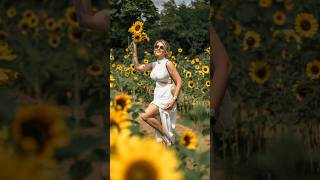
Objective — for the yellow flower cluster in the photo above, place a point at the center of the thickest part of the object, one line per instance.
(137, 32)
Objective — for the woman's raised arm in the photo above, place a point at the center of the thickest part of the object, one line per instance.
(99, 21)
(137, 66)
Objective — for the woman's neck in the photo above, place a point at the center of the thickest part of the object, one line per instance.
(160, 58)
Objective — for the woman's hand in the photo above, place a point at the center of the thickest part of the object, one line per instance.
(170, 104)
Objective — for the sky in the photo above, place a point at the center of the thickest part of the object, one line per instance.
(159, 3)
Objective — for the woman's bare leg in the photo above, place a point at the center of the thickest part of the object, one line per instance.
(148, 116)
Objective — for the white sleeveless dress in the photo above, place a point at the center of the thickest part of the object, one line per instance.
(162, 95)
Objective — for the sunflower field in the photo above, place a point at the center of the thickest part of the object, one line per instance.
(273, 46)
(53, 93)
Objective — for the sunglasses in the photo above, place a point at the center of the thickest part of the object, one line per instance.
(157, 47)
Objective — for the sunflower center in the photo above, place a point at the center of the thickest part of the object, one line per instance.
(137, 28)
(37, 130)
(137, 37)
(250, 41)
(261, 72)
(73, 16)
(24, 26)
(141, 170)
(302, 91)
(186, 140)
(305, 25)
(114, 124)
(314, 70)
(121, 102)
(77, 34)
(95, 68)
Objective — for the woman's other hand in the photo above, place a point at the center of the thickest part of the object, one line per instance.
(170, 104)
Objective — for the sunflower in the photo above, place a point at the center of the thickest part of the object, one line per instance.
(207, 51)
(134, 72)
(197, 67)
(191, 84)
(251, 39)
(74, 34)
(119, 67)
(208, 83)
(235, 27)
(24, 26)
(112, 78)
(137, 37)
(259, 72)
(95, 70)
(58, 29)
(7, 76)
(276, 33)
(180, 50)
(39, 129)
(122, 102)
(265, 3)
(197, 60)
(119, 119)
(292, 36)
(285, 54)
(33, 21)
(288, 5)
(300, 91)
(6, 54)
(139, 83)
(50, 23)
(188, 74)
(189, 139)
(112, 85)
(313, 70)
(193, 61)
(173, 58)
(134, 163)
(116, 138)
(54, 41)
(205, 69)
(132, 66)
(17, 166)
(111, 57)
(11, 12)
(71, 16)
(145, 37)
(204, 90)
(279, 18)
(3, 35)
(306, 25)
(146, 61)
(136, 27)
(27, 14)
(135, 78)
(147, 73)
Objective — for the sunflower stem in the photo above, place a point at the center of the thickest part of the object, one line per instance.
(76, 105)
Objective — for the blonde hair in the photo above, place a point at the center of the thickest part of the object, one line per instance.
(166, 47)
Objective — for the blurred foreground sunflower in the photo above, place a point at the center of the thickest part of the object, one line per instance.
(119, 119)
(259, 72)
(15, 166)
(313, 70)
(39, 129)
(189, 139)
(144, 159)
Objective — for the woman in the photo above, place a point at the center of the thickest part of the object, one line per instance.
(164, 103)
